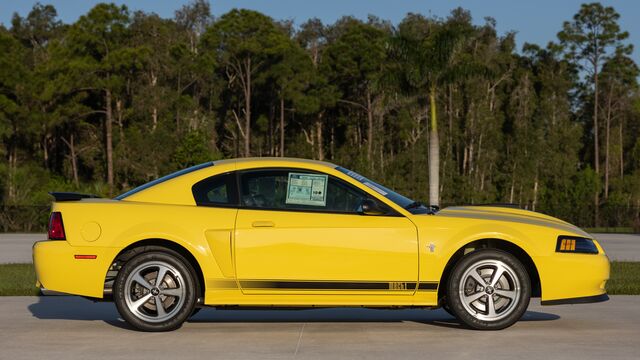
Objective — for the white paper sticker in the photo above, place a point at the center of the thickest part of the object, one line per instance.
(307, 189)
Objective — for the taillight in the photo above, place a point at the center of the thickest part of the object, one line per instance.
(56, 228)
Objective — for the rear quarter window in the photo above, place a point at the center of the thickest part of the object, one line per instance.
(218, 190)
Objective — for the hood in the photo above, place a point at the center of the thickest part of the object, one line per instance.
(510, 214)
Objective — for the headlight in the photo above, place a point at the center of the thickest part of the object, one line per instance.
(575, 244)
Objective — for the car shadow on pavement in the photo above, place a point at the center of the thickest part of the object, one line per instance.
(78, 308)
(438, 317)
(72, 308)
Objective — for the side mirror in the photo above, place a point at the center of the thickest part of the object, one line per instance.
(371, 207)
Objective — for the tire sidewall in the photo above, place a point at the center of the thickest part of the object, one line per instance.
(188, 277)
(453, 296)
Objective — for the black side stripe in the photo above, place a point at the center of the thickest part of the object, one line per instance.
(428, 286)
(337, 285)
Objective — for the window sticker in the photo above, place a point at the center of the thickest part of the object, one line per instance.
(307, 189)
(375, 188)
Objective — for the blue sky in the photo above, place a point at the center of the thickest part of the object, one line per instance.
(535, 21)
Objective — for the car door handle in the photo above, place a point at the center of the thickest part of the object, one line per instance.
(262, 224)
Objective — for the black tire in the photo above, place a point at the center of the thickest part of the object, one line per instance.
(180, 273)
(514, 282)
(447, 308)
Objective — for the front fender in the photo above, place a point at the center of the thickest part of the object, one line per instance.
(440, 240)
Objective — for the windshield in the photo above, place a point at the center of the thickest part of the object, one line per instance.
(401, 200)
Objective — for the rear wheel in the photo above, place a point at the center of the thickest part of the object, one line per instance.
(489, 290)
(156, 291)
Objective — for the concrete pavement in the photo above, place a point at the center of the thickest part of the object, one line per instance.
(16, 248)
(76, 328)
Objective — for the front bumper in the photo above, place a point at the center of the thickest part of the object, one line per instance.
(578, 300)
(568, 277)
(58, 270)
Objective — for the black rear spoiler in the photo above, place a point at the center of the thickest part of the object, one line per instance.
(71, 196)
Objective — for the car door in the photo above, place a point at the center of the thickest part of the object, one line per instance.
(299, 231)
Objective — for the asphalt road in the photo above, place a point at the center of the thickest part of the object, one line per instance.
(16, 248)
(61, 327)
(620, 247)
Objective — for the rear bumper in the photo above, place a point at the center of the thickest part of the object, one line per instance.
(58, 270)
(578, 300)
(47, 292)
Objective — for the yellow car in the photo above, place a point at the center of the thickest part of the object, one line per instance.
(278, 232)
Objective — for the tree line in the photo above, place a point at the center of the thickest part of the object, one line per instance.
(439, 108)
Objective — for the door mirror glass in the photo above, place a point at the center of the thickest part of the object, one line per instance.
(371, 207)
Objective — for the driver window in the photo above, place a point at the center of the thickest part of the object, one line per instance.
(299, 190)
(264, 189)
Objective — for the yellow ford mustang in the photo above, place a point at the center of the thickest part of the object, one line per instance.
(301, 233)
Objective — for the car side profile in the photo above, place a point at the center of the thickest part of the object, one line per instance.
(284, 232)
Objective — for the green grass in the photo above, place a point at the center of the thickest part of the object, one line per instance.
(20, 279)
(610, 230)
(625, 278)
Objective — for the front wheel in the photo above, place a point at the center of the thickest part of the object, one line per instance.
(489, 290)
(155, 291)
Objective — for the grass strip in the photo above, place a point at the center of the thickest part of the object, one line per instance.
(625, 278)
(20, 279)
(610, 230)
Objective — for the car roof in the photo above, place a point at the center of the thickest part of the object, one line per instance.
(257, 161)
(177, 190)
(168, 189)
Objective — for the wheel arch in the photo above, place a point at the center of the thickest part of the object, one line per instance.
(141, 246)
(492, 243)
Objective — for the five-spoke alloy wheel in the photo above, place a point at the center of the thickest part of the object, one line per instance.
(488, 290)
(155, 291)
